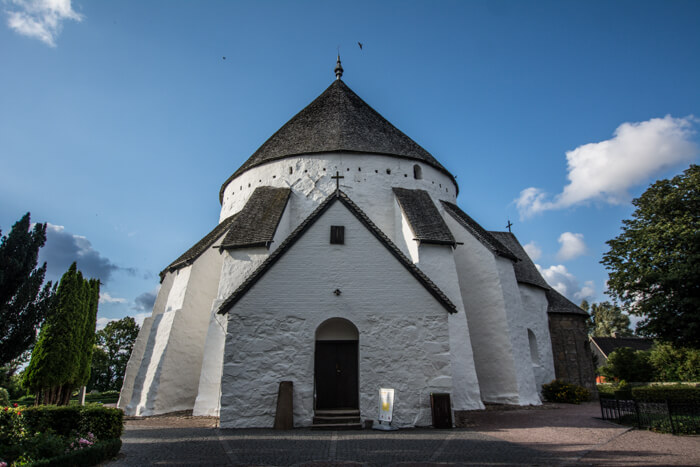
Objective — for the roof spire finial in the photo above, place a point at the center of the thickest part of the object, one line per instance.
(338, 67)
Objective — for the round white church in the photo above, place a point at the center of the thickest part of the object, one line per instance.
(342, 263)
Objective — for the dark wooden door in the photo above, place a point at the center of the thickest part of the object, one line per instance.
(336, 375)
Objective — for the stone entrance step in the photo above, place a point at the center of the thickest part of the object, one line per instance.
(339, 419)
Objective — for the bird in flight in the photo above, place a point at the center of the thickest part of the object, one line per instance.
(360, 44)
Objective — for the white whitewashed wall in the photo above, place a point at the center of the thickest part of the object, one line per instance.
(403, 330)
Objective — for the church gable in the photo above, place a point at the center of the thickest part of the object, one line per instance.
(274, 331)
(341, 197)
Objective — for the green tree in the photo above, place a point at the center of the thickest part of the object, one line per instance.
(654, 264)
(91, 291)
(99, 371)
(57, 365)
(23, 302)
(629, 365)
(115, 341)
(675, 363)
(606, 320)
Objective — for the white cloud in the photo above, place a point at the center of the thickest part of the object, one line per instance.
(605, 171)
(572, 246)
(102, 322)
(586, 293)
(533, 251)
(139, 317)
(566, 283)
(105, 297)
(40, 19)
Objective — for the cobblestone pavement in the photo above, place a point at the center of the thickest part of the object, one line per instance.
(553, 435)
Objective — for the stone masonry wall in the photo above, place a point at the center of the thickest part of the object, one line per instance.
(571, 349)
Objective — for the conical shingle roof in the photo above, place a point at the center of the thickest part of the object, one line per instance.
(337, 120)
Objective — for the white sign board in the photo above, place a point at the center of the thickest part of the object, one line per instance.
(386, 404)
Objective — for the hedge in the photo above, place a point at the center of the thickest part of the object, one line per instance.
(676, 393)
(103, 422)
(100, 452)
(561, 391)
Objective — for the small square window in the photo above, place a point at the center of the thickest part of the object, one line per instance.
(338, 234)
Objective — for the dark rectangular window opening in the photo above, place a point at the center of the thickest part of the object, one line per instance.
(338, 234)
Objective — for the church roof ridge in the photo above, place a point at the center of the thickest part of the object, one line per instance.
(200, 247)
(525, 269)
(481, 234)
(338, 120)
(338, 195)
(557, 303)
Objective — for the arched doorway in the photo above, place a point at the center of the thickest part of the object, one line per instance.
(336, 366)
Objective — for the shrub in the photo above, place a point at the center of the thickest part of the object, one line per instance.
(4, 397)
(630, 365)
(61, 420)
(104, 422)
(26, 400)
(561, 391)
(41, 446)
(99, 452)
(32, 435)
(675, 393)
(606, 389)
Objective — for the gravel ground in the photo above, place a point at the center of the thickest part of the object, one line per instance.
(555, 434)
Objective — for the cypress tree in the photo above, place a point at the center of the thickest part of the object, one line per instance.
(92, 290)
(58, 363)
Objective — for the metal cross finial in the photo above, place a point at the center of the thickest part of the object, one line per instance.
(509, 225)
(338, 68)
(337, 178)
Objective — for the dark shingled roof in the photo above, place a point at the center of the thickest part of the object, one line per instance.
(557, 303)
(486, 239)
(607, 344)
(257, 222)
(200, 247)
(307, 223)
(337, 120)
(424, 218)
(525, 270)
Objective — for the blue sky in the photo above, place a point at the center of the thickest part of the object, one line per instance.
(119, 121)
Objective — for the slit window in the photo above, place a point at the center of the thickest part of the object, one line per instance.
(337, 234)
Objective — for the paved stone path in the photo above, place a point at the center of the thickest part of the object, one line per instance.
(553, 435)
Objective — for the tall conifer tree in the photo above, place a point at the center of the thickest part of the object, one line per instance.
(92, 290)
(23, 302)
(58, 364)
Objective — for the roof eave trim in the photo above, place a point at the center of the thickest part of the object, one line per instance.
(592, 339)
(239, 246)
(533, 284)
(436, 242)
